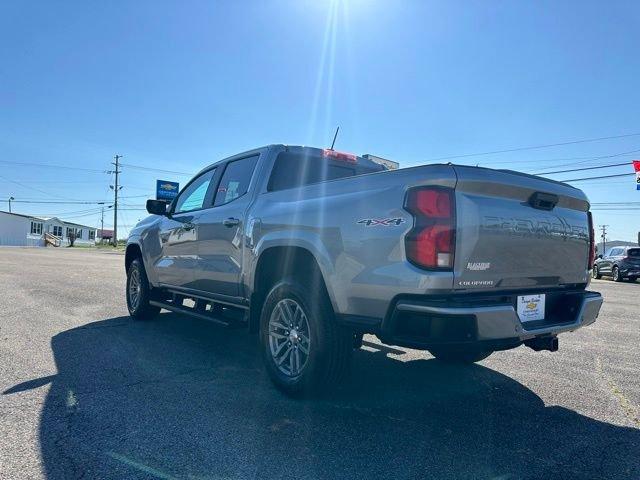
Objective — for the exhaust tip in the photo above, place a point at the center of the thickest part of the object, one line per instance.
(539, 344)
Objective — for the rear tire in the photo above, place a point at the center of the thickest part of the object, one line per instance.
(616, 275)
(304, 349)
(595, 273)
(138, 292)
(460, 355)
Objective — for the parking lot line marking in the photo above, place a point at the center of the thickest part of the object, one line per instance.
(140, 466)
(626, 405)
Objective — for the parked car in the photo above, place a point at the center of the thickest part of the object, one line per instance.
(620, 263)
(313, 248)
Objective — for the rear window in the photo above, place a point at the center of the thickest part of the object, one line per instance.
(295, 170)
(633, 252)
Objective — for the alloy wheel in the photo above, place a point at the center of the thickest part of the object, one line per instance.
(135, 289)
(289, 337)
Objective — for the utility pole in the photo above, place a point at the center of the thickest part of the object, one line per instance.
(10, 198)
(604, 238)
(115, 200)
(102, 220)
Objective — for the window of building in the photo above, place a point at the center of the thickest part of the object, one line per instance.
(192, 197)
(92, 234)
(36, 228)
(57, 230)
(235, 181)
(77, 232)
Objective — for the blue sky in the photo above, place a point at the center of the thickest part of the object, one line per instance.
(178, 85)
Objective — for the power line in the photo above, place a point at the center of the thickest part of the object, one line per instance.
(535, 147)
(64, 182)
(71, 202)
(600, 157)
(33, 188)
(596, 178)
(92, 170)
(54, 202)
(617, 208)
(557, 159)
(73, 212)
(585, 168)
(140, 167)
(65, 167)
(615, 203)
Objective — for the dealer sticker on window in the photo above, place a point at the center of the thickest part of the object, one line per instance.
(531, 307)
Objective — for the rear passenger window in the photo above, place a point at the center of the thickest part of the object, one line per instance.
(235, 180)
(633, 252)
(293, 170)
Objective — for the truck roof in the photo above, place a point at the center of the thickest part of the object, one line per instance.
(362, 161)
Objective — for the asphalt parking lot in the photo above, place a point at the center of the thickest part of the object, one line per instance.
(89, 393)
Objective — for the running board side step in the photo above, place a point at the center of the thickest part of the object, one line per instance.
(188, 311)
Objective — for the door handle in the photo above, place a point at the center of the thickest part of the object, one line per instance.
(188, 226)
(230, 222)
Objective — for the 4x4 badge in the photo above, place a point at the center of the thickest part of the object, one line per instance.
(384, 222)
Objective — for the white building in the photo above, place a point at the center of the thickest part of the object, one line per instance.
(27, 231)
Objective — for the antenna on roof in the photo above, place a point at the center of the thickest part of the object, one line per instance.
(334, 138)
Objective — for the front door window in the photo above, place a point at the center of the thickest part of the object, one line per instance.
(193, 197)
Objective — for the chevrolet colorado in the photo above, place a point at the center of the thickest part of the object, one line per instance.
(312, 248)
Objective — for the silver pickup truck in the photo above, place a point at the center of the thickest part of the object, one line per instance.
(313, 248)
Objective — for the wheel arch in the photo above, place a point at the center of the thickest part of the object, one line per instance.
(281, 261)
(132, 252)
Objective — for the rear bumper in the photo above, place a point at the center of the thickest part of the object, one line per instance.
(423, 324)
(630, 270)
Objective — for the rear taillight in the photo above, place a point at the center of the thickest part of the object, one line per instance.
(592, 242)
(431, 242)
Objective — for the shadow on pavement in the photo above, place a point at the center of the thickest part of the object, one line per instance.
(179, 398)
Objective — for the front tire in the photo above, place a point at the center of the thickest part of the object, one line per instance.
(138, 292)
(595, 273)
(460, 355)
(616, 275)
(303, 348)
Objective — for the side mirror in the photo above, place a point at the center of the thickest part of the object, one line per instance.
(157, 207)
(599, 256)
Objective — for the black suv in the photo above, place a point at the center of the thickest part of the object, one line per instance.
(620, 263)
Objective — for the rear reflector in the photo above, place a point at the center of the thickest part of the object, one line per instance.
(342, 156)
(431, 242)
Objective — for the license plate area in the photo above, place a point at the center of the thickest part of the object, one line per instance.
(531, 308)
(559, 308)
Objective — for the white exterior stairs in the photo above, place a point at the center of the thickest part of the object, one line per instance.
(51, 239)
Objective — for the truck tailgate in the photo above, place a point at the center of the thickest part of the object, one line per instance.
(505, 239)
